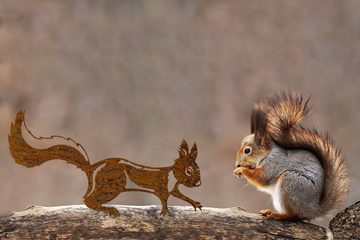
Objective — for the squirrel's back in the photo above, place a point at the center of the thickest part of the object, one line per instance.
(281, 159)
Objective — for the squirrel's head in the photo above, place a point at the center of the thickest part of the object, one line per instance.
(256, 146)
(252, 151)
(185, 169)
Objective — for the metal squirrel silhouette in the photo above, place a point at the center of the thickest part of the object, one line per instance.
(112, 173)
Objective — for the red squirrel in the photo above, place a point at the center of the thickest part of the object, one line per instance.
(303, 171)
(107, 178)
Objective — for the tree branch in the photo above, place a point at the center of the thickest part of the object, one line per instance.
(145, 222)
(346, 224)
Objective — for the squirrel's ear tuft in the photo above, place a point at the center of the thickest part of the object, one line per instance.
(261, 139)
(193, 152)
(184, 148)
(259, 122)
(258, 119)
(182, 153)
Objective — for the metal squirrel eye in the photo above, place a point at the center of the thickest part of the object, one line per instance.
(189, 171)
(247, 150)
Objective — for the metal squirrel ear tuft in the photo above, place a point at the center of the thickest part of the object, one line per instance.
(183, 149)
(193, 152)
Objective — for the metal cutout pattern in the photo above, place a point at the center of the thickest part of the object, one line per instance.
(111, 174)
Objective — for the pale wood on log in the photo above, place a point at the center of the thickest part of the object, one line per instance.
(144, 222)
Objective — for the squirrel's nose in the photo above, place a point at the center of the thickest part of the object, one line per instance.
(198, 183)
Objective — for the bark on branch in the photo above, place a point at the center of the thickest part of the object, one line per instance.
(135, 222)
(346, 225)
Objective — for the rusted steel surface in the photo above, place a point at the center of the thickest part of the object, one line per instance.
(107, 178)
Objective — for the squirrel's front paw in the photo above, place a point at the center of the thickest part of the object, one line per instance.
(196, 205)
(238, 171)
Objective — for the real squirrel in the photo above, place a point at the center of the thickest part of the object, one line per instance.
(107, 178)
(304, 172)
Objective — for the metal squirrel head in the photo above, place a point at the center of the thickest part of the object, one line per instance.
(185, 168)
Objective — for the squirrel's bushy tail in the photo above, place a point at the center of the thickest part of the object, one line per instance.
(284, 113)
(28, 156)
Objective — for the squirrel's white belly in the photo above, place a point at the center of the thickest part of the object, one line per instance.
(274, 191)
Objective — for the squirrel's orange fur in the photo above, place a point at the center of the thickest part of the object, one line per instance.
(275, 124)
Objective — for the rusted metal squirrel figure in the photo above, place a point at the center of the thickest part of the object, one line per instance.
(112, 173)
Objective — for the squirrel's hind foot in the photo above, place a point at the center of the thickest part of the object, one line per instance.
(265, 212)
(111, 211)
(279, 216)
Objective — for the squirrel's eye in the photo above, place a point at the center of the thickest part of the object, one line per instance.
(189, 171)
(247, 150)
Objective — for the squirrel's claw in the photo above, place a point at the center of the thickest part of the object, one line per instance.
(238, 172)
(197, 205)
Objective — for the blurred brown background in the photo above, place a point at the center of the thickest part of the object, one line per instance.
(132, 78)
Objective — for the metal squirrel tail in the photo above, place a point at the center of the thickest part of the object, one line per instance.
(28, 156)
